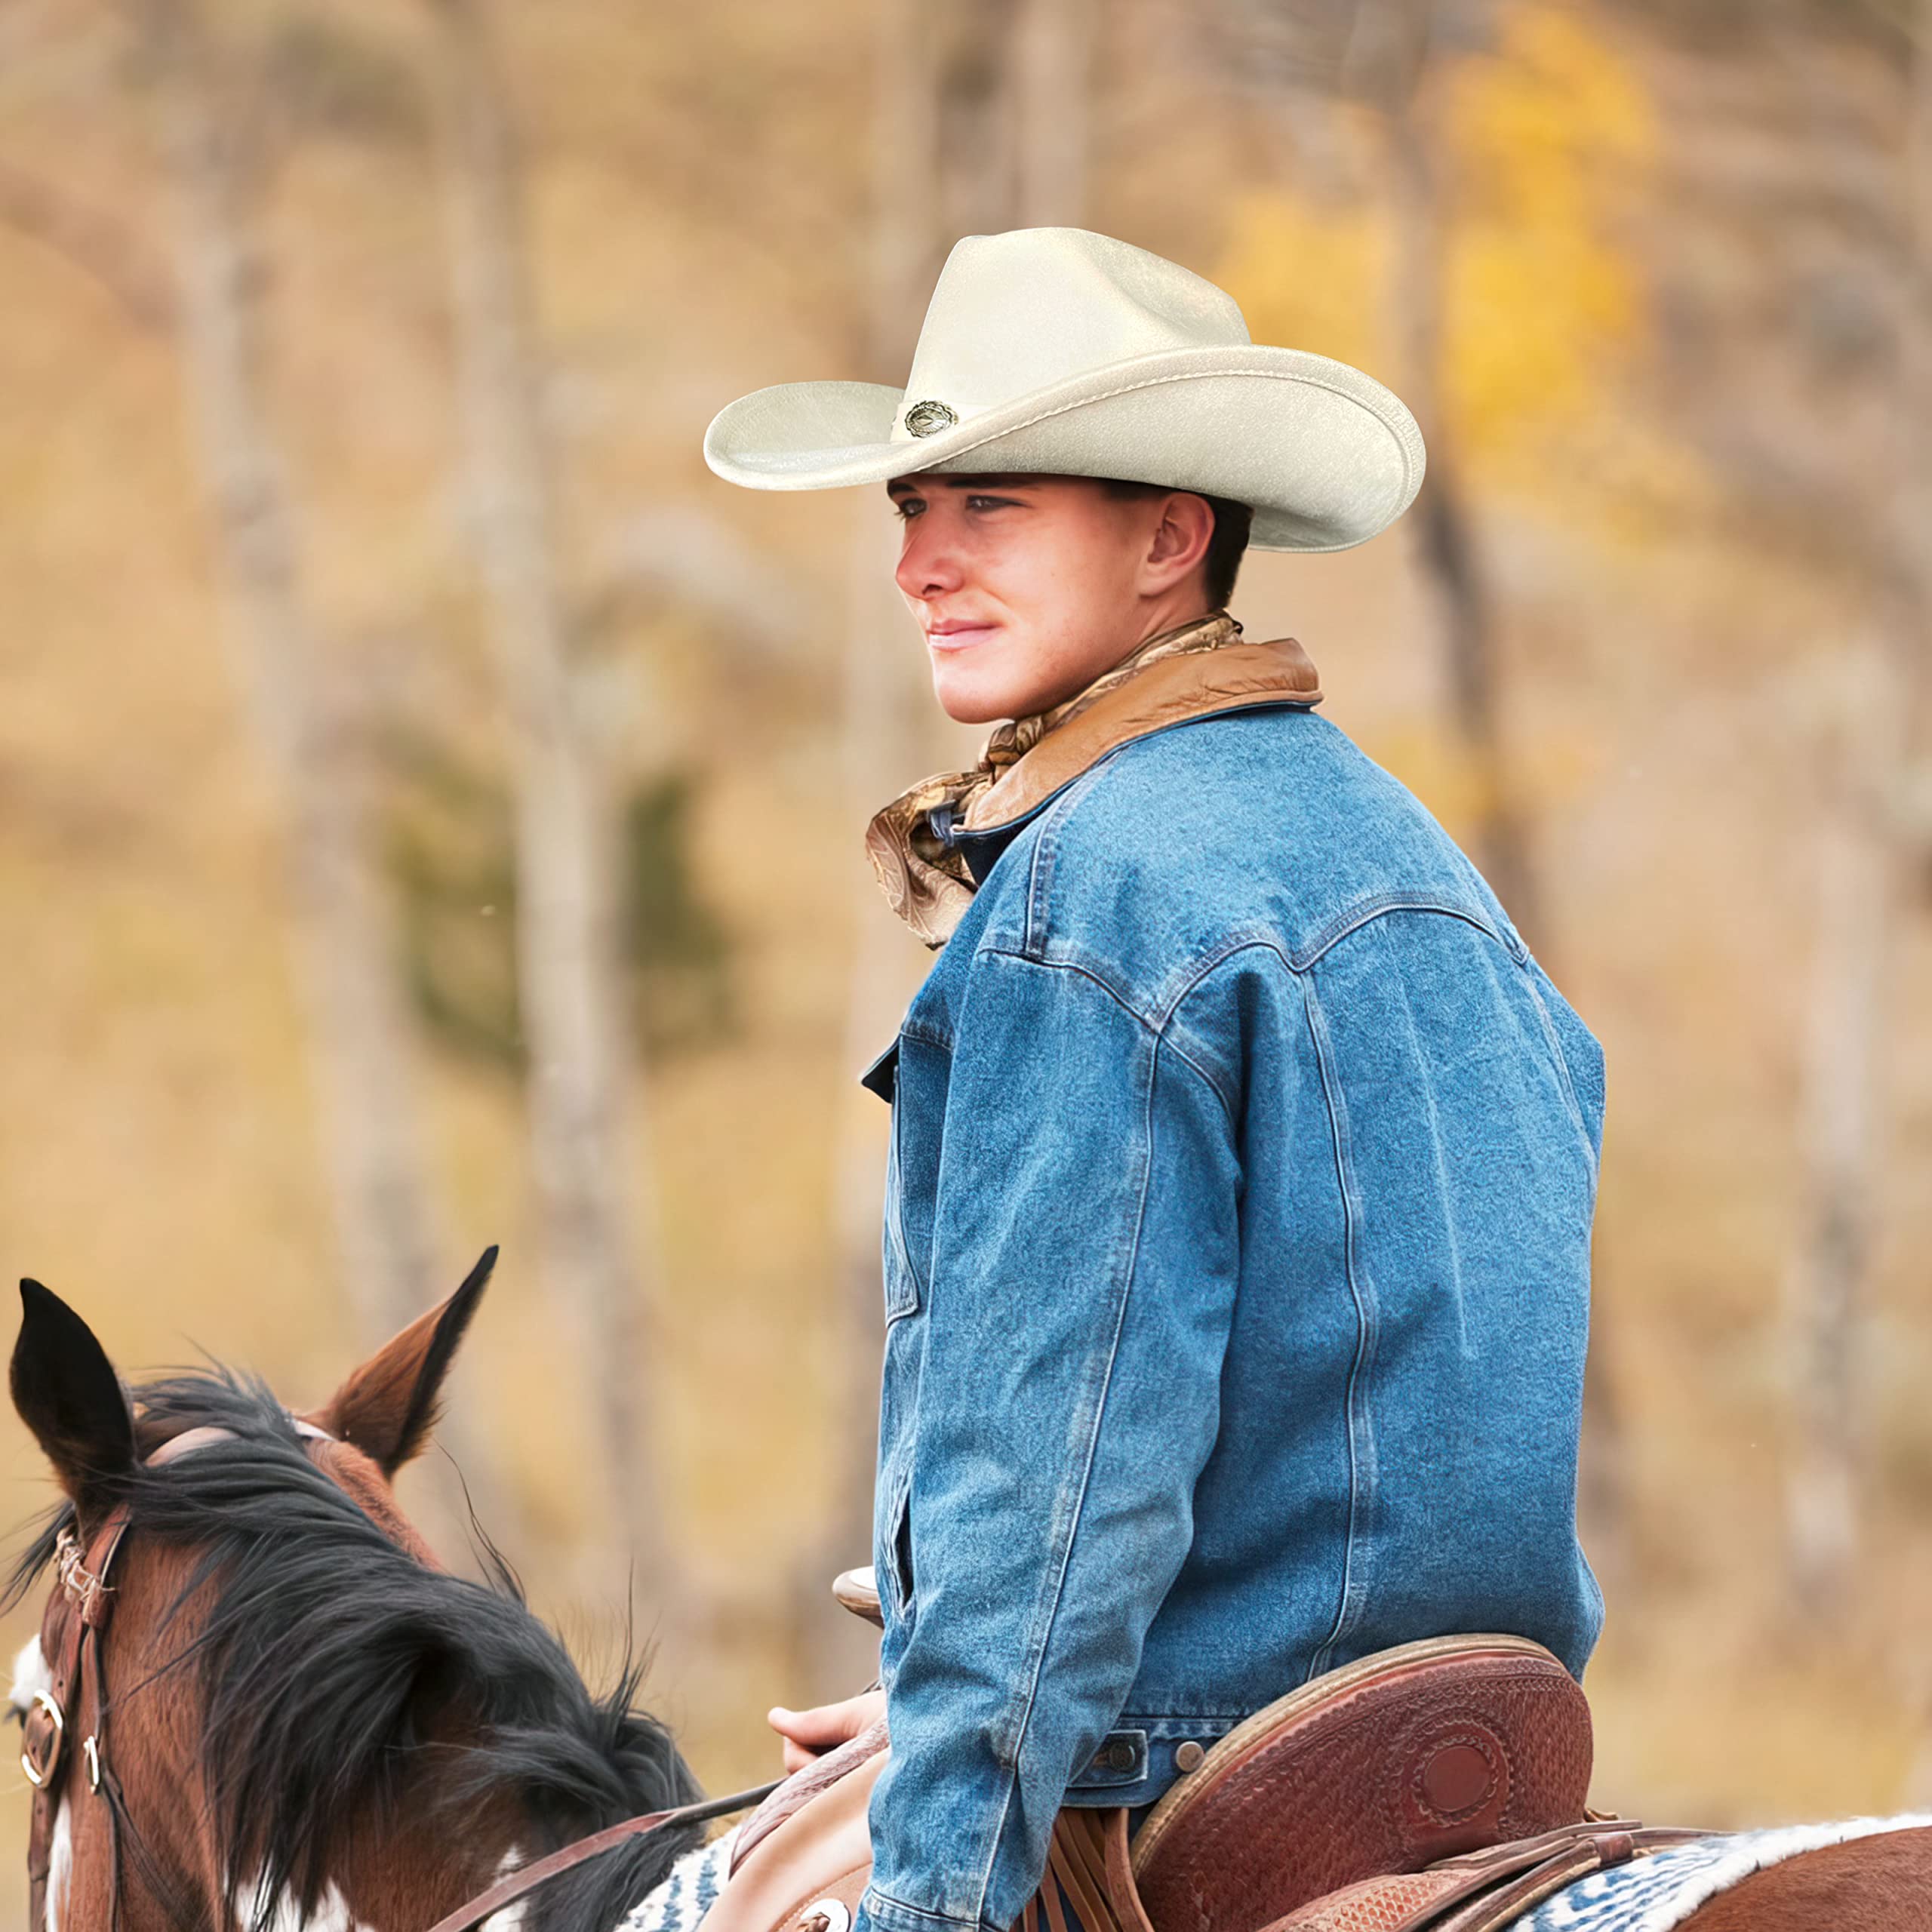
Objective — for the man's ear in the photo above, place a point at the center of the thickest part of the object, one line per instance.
(387, 1407)
(1179, 541)
(68, 1393)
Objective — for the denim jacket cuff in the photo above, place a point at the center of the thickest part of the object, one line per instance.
(879, 1913)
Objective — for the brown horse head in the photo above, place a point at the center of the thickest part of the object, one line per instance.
(257, 1700)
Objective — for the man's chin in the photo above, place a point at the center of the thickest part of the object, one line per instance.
(971, 700)
(965, 711)
(983, 693)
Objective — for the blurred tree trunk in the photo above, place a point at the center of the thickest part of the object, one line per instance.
(1870, 834)
(1841, 1106)
(973, 97)
(1390, 53)
(585, 1136)
(1444, 529)
(359, 1027)
(1055, 58)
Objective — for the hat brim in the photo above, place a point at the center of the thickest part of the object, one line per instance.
(1324, 455)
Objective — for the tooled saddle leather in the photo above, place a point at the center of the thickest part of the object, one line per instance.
(1439, 1787)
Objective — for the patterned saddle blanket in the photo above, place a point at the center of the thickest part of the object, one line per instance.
(689, 1891)
(1651, 1894)
(1654, 1893)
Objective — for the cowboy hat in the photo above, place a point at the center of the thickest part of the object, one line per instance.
(1054, 350)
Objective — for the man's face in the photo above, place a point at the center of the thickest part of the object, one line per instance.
(1028, 587)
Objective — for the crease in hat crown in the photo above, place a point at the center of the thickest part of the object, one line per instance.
(1017, 313)
(1059, 351)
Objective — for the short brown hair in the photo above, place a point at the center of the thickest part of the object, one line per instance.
(1232, 522)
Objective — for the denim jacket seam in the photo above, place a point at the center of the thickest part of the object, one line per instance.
(1170, 1026)
(926, 1036)
(895, 1227)
(1066, 1532)
(920, 1912)
(1363, 911)
(1159, 1031)
(1081, 966)
(1565, 1080)
(1361, 1429)
(1303, 960)
(1165, 1036)
(1130, 1720)
(1046, 845)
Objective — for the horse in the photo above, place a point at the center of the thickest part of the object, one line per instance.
(299, 1721)
(303, 1719)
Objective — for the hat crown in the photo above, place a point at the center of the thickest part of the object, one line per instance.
(1018, 312)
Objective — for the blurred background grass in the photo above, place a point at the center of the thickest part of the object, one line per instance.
(281, 717)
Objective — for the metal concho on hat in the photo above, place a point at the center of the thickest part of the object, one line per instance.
(928, 419)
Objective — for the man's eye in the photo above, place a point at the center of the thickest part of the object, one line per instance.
(991, 503)
(906, 508)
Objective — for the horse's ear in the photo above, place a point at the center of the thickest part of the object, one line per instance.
(68, 1393)
(388, 1406)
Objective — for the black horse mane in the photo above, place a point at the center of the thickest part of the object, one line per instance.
(336, 1670)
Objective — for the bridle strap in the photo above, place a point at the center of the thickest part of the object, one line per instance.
(120, 1826)
(85, 1602)
(71, 1642)
(528, 1879)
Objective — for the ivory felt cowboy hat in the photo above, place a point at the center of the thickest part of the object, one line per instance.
(1054, 350)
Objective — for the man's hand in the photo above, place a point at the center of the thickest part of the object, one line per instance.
(809, 1734)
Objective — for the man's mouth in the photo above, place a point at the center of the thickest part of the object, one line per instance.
(958, 633)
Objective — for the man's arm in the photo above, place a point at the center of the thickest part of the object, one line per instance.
(1083, 1259)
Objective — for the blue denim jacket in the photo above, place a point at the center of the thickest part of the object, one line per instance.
(1237, 1277)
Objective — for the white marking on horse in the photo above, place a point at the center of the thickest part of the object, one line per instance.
(30, 1674)
(331, 1913)
(509, 1918)
(60, 1866)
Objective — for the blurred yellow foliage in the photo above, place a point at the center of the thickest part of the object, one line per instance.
(1542, 137)
(1309, 273)
(1544, 142)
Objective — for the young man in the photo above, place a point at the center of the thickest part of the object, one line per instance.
(1237, 1231)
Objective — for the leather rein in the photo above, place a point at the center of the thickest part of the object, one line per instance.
(521, 1883)
(71, 1634)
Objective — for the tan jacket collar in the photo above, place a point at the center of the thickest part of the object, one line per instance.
(1193, 671)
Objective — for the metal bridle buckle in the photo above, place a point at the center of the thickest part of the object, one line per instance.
(38, 1774)
(90, 1750)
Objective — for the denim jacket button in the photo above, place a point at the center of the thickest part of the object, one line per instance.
(1188, 1756)
(1119, 1755)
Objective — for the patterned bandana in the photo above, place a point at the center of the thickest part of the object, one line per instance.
(928, 882)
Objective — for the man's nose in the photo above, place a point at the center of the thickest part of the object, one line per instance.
(929, 562)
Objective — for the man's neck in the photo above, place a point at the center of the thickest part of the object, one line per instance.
(1155, 643)
(1174, 614)
(1170, 614)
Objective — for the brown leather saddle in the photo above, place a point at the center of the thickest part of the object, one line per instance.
(1439, 1787)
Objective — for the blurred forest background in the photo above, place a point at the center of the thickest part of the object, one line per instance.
(430, 802)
